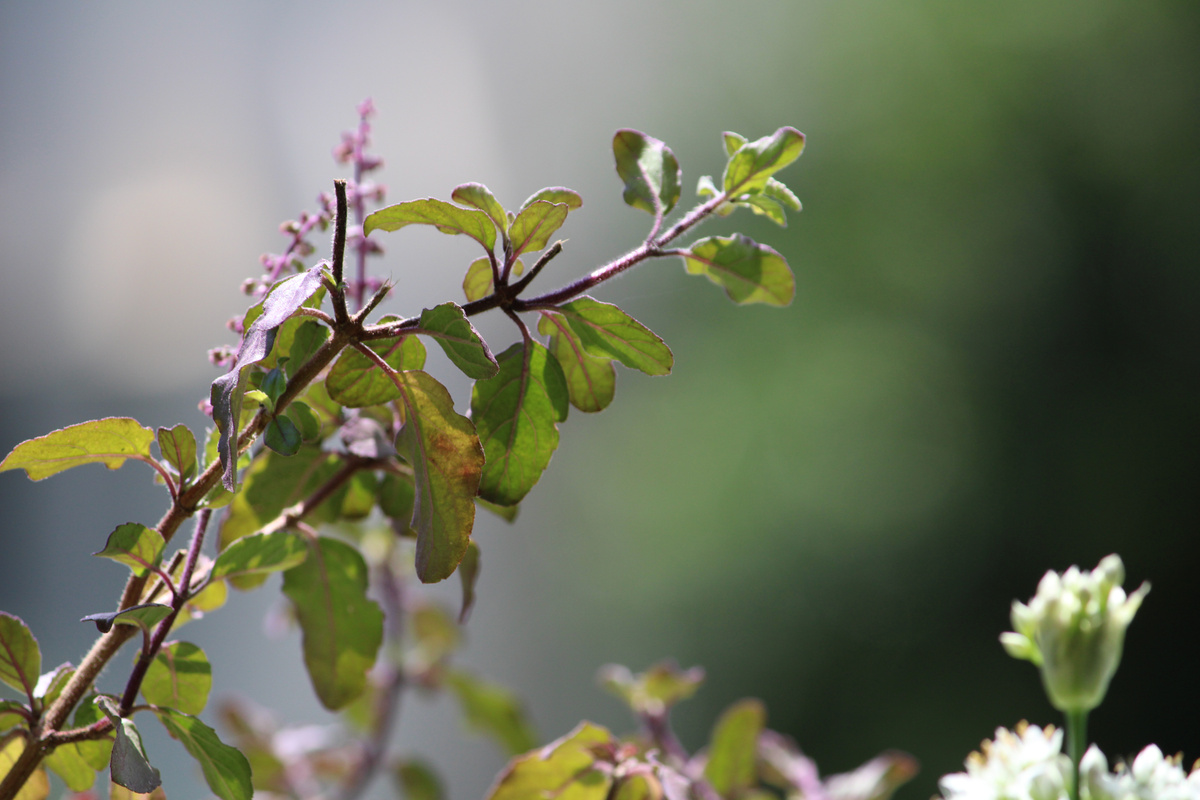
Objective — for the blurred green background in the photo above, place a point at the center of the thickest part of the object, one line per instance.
(989, 371)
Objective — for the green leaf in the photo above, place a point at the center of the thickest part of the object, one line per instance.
(506, 513)
(477, 284)
(468, 571)
(102, 441)
(445, 217)
(305, 419)
(342, 628)
(591, 381)
(416, 780)
(733, 142)
(766, 207)
(261, 553)
(307, 339)
(447, 461)
(226, 395)
(96, 752)
(448, 326)
(733, 748)
(11, 715)
(356, 381)
(649, 169)
(516, 413)
(136, 546)
(144, 616)
(608, 332)
(533, 227)
(748, 271)
(225, 769)
(37, 787)
(555, 194)
(564, 769)
(397, 496)
(754, 162)
(654, 691)
(492, 709)
(128, 766)
(51, 684)
(20, 656)
(476, 195)
(68, 764)
(179, 677)
(178, 448)
(283, 436)
(776, 190)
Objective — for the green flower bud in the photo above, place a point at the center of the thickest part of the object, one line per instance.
(1073, 630)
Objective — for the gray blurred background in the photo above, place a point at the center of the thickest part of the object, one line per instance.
(989, 370)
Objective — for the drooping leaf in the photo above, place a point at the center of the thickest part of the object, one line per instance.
(447, 461)
(356, 381)
(591, 381)
(37, 787)
(96, 752)
(145, 616)
(555, 194)
(733, 748)
(135, 546)
(516, 413)
(102, 441)
(342, 628)
(562, 769)
(649, 169)
(66, 762)
(492, 709)
(444, 216)
(179, 677)
(608, 332)
(448, 326)
(533, 227)
(417, 780)
(20, 656)
(226, 396)
(476, 195)
(260, 552)
(748, 271)
(754, 162)
(468, 572)
(654, 691)
(225, 769)
(178, 447)
(128, 766)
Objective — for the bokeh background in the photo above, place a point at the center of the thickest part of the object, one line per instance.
(990, 368)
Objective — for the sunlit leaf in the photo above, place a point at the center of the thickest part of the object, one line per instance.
(492, 709)
(307, 339)
(477, 284)
(225, 769)
(102, 441)
(179, 677)
(754, 162)
(563, 769)
(128, 766)
(178, 448)
(135, 546)
(555, 194)
(51, 684)
(448, 326)
(533, 227)
(37, 787)
(444, 216)
(608, 332)
(654, 691)
(66, 762)
(476, 195)
(649, 169)
(516, 413)
(261, 552)
(748, 271)
(356, 381)
(283, 436)
(733, 142)
(639, 786)
(20, 656)
(13, 714)
(342, 628)
(96, 752)
(591, 380)
(118, 792)
(734, 747)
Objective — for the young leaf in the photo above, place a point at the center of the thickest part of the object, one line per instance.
(533, 227)
(555, 194)
(179, 677)
(260, 553)
(493, 710)
(733, 142)
(20, 656)
(50, 685)
(226, 396)
(225, 769)
(135, 546)
(342, 628)
(128, 766)
(477, 283)
(608, 332)
(654, 691)
(357, 382)
(445, 217)
(748, 271)
(649, 169)
(417, 780)
(102, 441)
(144, 616)
(563, 768)
(178, 447)
(448, 326)
(516, 413)
(468, 571)
(476, 195)
(283, 436)
(754, 162)
(37, 787)
(447, 460)
(734, 747)
(591, 381)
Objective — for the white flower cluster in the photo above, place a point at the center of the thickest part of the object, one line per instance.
(1028, 764)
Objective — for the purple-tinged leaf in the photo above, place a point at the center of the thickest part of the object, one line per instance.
(555, 194)
(476, 195)
(445, 217)
(649, 169)
(591, 380)
(356, 381)
(178, 447)
(102, 441)
(13, 714)
(448, 326)
(20, 656)
(134, 545)
(748, 271)
(533, 227)
(128, 766)
(608, 332)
